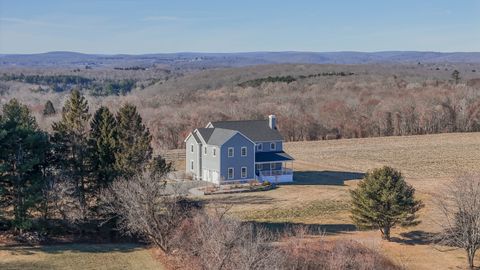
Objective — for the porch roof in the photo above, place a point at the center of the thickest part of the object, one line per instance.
(272, 157)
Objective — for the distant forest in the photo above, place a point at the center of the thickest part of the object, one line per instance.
(312, 102)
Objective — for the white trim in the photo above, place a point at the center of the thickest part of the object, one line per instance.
(274, 164)
(276, 161)
(274, 146)
(209, 125)
(228, 173)
(233, 152)
(241, 172)
(200, 136)
(186, 139)
(241, 151)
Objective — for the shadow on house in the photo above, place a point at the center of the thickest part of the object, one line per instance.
(324, 177)
(289, 228)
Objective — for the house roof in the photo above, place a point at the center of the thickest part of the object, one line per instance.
(216, 136)
(255, 130)
(205, 133)
(272, 156)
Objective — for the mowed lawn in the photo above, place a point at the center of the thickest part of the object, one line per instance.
(78, 256)
(326, 170)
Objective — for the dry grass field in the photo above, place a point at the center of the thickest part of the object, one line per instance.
(326, 170)
(78, 256)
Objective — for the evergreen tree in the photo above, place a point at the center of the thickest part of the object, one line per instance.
(22, 147)
(134, 150)
(71, 144)
(159, 168)
(48, 109)
(103, 143)
(456, 76)
(383, 200)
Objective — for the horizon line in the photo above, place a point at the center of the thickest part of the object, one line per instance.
(237, 52)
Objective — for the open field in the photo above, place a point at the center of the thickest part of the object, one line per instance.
(78, 256)
(325, 171)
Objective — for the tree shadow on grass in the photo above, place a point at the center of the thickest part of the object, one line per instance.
(61, 248)
(324, 177)
(236, 199)
(415, 238)
(288, 228)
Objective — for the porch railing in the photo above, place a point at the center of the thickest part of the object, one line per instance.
(283, 171)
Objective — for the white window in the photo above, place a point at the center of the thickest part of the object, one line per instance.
(191, 165)
(244, 151)
(230, 173)
(214, 151)
(259, 167)
(230, 152)
(272, 166)
(191, 148)
(244, 172)
(260, 147)
(205, 150)
(272, 146)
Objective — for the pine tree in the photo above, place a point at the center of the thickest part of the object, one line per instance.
(22, 147)
(103, 143)
(71, 144)
(383, 200)
(134, 150)
(48, 109)
(456, 76)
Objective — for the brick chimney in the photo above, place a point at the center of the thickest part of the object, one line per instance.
(272, 121)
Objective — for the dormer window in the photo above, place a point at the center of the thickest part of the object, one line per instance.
(230, 152)
(272, 146)
(244, 151)
(260, 147)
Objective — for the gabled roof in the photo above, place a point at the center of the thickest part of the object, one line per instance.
(255, 130)
(272, 156)
(216, 136)
(205, 133)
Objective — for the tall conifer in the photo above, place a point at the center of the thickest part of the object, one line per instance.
(134, 149)
(22, 146)
(103, 143)
(70, 143)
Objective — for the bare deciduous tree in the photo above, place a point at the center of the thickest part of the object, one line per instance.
(215, 241)
(460, 206)
(144, 208)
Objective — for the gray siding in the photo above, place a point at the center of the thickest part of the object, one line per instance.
(237, 161)
(209, 161)
(189, 156)
(266, 146)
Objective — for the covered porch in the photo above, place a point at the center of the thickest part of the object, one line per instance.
(274, 167)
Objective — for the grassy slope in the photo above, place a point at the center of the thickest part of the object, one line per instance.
(324, 173)
(78, 256)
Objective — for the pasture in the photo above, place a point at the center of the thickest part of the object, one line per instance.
(327, 170)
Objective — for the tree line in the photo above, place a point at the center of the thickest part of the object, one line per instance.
(60, 174)
(61, 83)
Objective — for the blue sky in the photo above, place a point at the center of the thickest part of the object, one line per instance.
(135, 27)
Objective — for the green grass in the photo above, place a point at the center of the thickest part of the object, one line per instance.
(315, 209)
(78, 256)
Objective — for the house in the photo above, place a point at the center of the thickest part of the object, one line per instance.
(238, 151)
